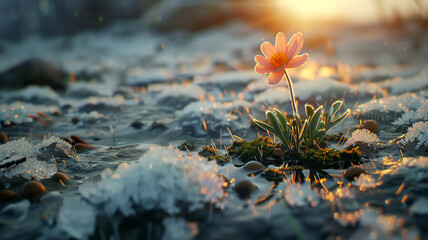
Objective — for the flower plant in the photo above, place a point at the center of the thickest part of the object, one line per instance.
(296, 131)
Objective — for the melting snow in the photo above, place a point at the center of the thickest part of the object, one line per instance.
(131, 189)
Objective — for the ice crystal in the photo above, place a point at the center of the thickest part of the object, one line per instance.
(362, 135)
(21, 158)
(411, 116)
(130, 188)
(418, 132)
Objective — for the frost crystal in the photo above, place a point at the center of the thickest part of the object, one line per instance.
(419, 132)
(361, 135)
(411, 116)
(402, 103)
(160, 179)
(20, 158)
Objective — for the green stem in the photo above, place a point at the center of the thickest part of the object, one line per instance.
(290, 86)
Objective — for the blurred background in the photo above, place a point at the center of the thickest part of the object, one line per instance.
(47, 18)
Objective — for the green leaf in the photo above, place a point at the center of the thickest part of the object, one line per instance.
(309, 110)
(334, 108)
(339, 119)
(315, 120)
(264, 125)
(319, 134)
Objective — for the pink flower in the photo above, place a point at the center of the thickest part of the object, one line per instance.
(281, 56)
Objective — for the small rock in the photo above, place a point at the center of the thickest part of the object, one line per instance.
(75, 120)
(365, 148)
(137, 124)
(33, 72)
(7, 195)
(370, 125)
(278, 153)
(60, 177)
(254, 166)
(33, 189)
(244, 188)
(3, 138)
(353, 172)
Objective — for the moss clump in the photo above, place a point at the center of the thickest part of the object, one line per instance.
(248, 151)
(278, 174)
(210, 153)
(325, 158)
(189, 145)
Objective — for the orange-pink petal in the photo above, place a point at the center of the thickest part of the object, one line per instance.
(295, 45)
(262, 69)
(281, 43)
(275, 77)
(268, 49)
(263, 61)
(298, 61)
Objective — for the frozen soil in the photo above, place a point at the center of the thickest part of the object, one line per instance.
(136, 97)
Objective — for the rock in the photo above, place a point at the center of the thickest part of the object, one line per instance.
(75, 120)
(33, 189)
(278, 153)
(254, 166)
(3, 138)
(137, 124)
(60, 177)
(193, 15)
(370, 125)
(353, 172)
(244, 188)
(7, 195)
(33, 72)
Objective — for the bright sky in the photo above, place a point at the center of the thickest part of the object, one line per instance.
(359, 11)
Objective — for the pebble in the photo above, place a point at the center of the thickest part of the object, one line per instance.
(137, 124)
(353, 172)
(254, 166)
(278, 153)
(7, 195)
(3, 138)
(370, 125)
(33, 189)
(244, 188)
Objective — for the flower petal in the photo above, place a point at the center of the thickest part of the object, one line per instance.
(281, 43)
(263, 61)
(298, 61)
(260, 69)
(275, 77)
(295, 45)
(268, 49)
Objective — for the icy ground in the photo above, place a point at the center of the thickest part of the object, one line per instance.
(137, 96)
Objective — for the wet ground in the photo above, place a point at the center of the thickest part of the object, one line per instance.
(134, 97)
